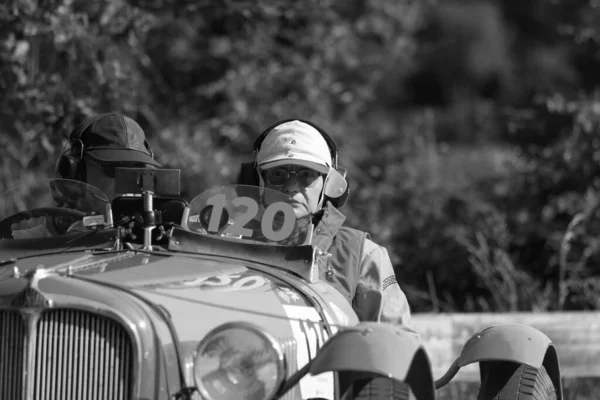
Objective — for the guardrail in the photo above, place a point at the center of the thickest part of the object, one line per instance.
(576, 336)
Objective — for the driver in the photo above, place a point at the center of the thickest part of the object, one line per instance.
(299, 160)
(96, 146)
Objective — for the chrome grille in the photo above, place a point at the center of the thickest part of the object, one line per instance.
(12, 355)
(81, 355)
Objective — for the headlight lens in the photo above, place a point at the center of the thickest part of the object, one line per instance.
(238, 361)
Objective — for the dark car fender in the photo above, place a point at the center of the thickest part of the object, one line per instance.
(378, 349)
(513, 342)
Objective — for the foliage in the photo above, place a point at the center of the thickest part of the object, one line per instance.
(469, 128)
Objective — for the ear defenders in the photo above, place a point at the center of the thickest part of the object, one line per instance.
(336, 186)
(68, 165)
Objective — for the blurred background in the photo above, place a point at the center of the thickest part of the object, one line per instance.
(470, 129)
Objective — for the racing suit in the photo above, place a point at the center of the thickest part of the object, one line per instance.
(361, 270)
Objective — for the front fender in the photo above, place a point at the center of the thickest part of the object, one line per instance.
(380, 349)
(513, 342)
(508, 342)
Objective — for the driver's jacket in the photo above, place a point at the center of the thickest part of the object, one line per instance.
(361, 270)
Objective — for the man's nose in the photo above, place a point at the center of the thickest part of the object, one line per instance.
(291, 184)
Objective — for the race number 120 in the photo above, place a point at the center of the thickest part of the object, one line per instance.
(251, 210)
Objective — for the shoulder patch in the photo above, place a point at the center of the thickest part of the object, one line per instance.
(390, 280)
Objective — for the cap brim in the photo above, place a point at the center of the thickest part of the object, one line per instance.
(317, 166)
(121, 156)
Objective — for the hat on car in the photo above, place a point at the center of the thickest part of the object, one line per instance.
(296, 143)
(113, 138)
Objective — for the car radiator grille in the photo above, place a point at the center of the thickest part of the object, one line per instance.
(12, 355)
(76, 354)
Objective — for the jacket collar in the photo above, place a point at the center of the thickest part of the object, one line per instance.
(329, 224)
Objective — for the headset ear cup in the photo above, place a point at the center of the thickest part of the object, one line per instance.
(335, 184)
(337, 187)
(248, 175)
(339, 201)
(66, 167)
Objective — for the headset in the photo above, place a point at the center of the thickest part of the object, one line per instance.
(248, 174)
(69, 165)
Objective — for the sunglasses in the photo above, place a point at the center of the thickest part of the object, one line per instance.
(278, 176)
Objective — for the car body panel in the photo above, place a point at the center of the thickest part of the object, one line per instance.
(201, 293)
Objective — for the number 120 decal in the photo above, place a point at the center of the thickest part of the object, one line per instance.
(237, 228)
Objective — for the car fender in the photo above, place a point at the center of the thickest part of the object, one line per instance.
(380, 349)
(513, 342)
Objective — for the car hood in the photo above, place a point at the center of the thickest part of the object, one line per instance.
(198, 293)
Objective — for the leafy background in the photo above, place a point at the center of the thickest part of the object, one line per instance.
(470, 129)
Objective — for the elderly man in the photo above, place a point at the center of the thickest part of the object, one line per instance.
(300, 160)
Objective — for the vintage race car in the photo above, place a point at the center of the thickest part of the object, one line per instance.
(149, 296)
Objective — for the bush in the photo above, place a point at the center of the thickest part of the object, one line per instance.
(469, 128)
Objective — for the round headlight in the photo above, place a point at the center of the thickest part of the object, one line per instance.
(238, 360)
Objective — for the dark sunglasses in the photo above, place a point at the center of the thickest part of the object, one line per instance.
(278, 176)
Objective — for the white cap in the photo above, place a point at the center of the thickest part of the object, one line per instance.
(294, 143)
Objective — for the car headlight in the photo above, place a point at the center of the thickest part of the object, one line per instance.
(238, 360)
